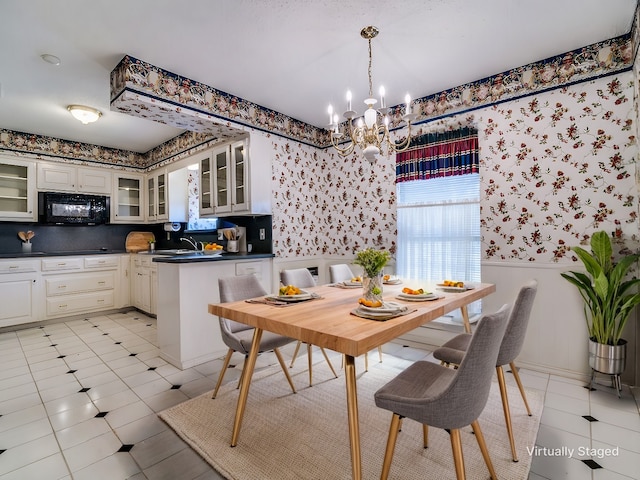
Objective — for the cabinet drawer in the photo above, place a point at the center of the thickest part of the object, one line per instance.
(78, 283)
(110, 261)
(61, 263)
(249, 268)
(17, 266)
(79, 303)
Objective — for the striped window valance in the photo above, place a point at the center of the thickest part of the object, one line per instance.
(439, 155)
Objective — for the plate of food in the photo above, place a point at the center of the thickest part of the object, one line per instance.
(391, 280)
(354, 282)
(453, 286)
(291, 293)
(384, 308)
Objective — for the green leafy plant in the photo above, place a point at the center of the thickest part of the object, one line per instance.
(372, 261)
(609, 296)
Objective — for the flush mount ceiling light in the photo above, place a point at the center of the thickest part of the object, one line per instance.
(369, 135)
(84, 114)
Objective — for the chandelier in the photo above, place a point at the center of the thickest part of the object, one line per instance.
(370, 134)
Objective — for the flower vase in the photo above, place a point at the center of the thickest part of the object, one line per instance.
(26, 247)
(372, 287)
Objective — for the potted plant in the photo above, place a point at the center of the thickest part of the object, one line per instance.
(609, 298)
(372, 262)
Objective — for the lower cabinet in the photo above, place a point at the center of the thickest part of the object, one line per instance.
(18, 292)
(144, 284)
(75, 285)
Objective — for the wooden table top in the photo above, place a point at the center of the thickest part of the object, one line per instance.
(327, 322)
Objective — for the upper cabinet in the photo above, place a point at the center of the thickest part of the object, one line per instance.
(157, 196)
(127, 204)
(17, 190)
(225, 182)
(72, 178)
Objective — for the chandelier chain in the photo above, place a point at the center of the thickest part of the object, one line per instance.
(369, 71)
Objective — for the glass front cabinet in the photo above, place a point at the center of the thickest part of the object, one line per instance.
(17, 190)
(223, 180)
(157, 196)
(127, 200)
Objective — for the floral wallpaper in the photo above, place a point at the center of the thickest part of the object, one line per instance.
(557, 166)
(324, 204)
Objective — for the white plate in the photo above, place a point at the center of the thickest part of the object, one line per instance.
(303, 295)
(386, 308)
(425, 297)
(379, 315)
(212, 252)
(352, 284)
(444, 288)
(392, 281)
(414, 296)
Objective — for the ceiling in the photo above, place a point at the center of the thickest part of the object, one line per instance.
(292, 56)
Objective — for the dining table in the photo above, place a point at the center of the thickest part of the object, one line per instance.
(328, 320)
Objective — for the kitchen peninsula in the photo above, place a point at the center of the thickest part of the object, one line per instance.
(187, 334)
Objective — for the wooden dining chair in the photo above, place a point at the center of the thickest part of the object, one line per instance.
(341, 272)
(238, 336)
(442, 397)
(453, 351)
(302, 278)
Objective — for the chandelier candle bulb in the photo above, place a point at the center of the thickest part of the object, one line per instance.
(407, 99)
(348, 100)
(330, 109)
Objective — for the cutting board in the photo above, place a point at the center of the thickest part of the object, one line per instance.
(138, 241)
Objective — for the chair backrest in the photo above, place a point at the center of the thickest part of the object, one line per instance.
(300, 277)
(517, 325)
(464, 398)
(340, 273)
(233, 289)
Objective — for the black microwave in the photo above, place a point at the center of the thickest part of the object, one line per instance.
(72, 208)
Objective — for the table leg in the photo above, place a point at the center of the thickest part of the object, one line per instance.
(352, 411)
(465, 319)
(246, 382)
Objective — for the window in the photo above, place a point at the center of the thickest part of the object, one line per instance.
(439, 230)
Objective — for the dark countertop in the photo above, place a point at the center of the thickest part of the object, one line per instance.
(60, 254)
(183, 258)
(196, 258)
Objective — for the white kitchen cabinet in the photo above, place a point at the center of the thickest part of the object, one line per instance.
(74, 285)
(18, 291)
(17, 190)
(228, 184)
(157, 199)
(127, 202)
(73, 178)
(144, 284)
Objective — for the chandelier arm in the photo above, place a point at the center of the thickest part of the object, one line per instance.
(402, 146)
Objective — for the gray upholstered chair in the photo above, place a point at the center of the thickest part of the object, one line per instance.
(302, 278)
(342, 273)
(445, 398)
(452, 352)
(238, 336)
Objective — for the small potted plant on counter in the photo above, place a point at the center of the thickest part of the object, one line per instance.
(609, 297)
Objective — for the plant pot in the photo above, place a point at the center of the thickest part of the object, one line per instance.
(608, 359)
(372, 287)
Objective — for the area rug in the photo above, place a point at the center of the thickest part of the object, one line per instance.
(305, 435)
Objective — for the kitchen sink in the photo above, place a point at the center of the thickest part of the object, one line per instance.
(177, 251)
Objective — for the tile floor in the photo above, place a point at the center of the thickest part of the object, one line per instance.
(79, 401)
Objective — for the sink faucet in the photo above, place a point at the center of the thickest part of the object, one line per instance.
(193, 243)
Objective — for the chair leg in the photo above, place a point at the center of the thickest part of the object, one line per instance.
(380, 353)
(366, 362)
(458, 459)
(328, 362)
(225, 365)
(391, 445)
(425, 435)
(310, 364)
(507, 411)
(284, 368)
(483, 448)
(516, 375)
(295, 353)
